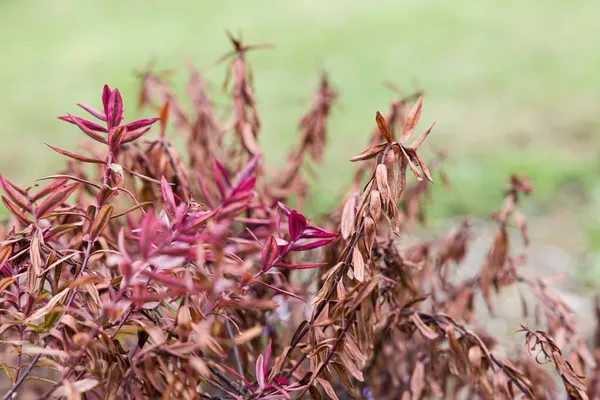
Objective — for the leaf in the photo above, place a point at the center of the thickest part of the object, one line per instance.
(8, 190)
(383, 128)
(89, 125)
(375, 205)
(422, 327)
(8, 372)
(55, 200)
(417, 381)
(35, 257)
(14, 210)
(115, 137)
(100, 222)
(296, 225)
(327, 388)
(348, 215)
(422, 138)
(260, 375)
(74, 156)
(140, 123)
(164, 117)
(269, 253)
(81, 125)
(5, 253)
(359, 265)
(48, 307)
(49, 188)
(93, 111)
(168, 197)
(249, 140)
(411, 120)
(382, 183)
(134, 135)
(370, 152)
(114, 113)
(311, 246)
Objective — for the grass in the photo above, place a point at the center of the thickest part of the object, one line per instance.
(512, 85)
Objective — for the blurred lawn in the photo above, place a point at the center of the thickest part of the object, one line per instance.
(512, 85)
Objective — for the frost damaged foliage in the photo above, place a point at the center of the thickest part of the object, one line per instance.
(138, 273)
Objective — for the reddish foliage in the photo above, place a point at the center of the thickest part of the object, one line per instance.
(135, 275)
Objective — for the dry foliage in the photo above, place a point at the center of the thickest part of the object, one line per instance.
(138, 273)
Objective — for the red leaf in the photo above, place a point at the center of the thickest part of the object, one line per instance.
(84, 129)
(14, 210)
(131, 136)
(92, 126)
(312, 245)
(12, 195)
(269, 253)
(93, 111)
(114, 114)
(48, 189)
(75, 156)
(141, 123)
(55, 200)
(116, 136)
(313, 232)
(100, 222)
(105, 96)
(296, 225)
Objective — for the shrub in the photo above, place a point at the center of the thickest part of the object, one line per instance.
(134, 273)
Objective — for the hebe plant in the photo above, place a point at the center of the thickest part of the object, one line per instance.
(136, 274)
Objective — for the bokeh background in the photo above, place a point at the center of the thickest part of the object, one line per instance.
(514, 86)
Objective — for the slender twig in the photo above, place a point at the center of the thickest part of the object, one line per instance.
(236, 353)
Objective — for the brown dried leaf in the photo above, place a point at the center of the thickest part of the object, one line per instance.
(348, 215)
(417, 381)
(370, 152)
(411, 120)
(426, 331)
(383, 129)
(358, 263)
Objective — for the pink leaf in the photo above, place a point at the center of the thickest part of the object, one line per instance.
(168, 198)
(269, 253)
(296, 225)
(260, 376)
(311, 246)
(141, 123)
(93, 111)
(115, 109)
(79, 122)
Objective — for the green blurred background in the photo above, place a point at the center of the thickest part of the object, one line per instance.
(512, 85)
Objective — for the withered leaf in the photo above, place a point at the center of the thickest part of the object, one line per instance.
(417, 381)
(348, 215)
(358, 263)
(411, 120)
(327, 388)
(422, 327)
(370, 152)
(383, 129)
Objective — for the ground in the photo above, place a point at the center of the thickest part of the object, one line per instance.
(512, 86)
